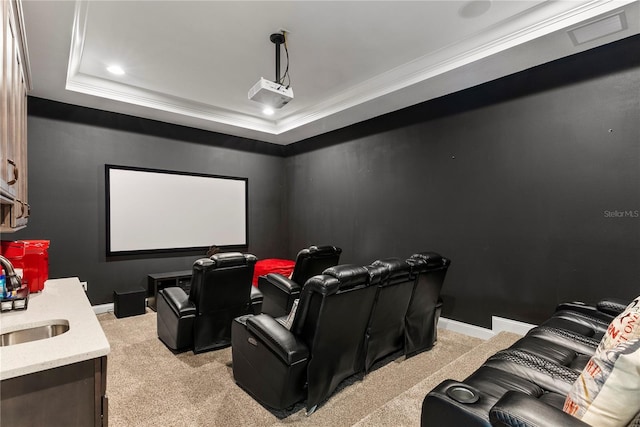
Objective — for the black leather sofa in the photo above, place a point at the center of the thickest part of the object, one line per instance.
(526, 384)
(347, 318)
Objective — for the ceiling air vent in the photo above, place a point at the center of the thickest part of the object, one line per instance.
(600, 28)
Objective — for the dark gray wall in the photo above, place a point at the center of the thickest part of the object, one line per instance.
(68, 148)
(511, 180)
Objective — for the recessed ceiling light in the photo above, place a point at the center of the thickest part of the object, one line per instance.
(115, 69)
(268, 111)
(474, 8)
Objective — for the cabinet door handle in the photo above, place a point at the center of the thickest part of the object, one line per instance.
(15, 172)
(22, 208)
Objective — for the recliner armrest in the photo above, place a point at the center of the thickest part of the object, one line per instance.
(612, 306)
(256, 295)
(178, 301)
(519, 409)
(256, 300)
(283, 283)
(605, 309)
(278, 338)
(279, 293)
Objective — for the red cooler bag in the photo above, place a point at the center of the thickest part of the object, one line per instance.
(272, 265)
(32, 256)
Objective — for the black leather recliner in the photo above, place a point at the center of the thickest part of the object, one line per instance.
(220, 291)
(280, 367)
(386, 331)
(470, 401)
(526, 384)
(279, 291)
(573, 321)
(424, 308)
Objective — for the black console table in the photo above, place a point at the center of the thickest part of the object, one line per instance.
(158, 281)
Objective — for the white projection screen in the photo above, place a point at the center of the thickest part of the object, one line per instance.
(150, 210)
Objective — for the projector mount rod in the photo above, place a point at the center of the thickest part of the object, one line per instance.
(277, 39)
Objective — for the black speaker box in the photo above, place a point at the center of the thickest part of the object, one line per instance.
(129, 303)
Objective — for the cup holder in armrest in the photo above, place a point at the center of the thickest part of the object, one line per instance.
(463, 394)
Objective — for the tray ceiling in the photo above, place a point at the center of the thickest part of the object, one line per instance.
(192, 63)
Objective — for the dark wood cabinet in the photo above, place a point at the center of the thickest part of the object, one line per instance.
(14, 83)
(71, 395)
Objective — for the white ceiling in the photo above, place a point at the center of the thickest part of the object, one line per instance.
(192, 63)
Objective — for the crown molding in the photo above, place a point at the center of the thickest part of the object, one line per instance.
(428, 66)
(103, 88)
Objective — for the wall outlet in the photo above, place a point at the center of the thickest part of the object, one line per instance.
(84, 286)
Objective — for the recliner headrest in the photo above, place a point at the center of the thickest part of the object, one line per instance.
(322, 284)
(232, 259)
(394, 265)
(349, 275)
(202, 262)
(427, 260)
(320, 251)
(378, 273)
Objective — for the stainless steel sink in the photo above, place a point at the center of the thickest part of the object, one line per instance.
(49, 330)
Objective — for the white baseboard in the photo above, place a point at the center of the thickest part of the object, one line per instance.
(105, 308)
(102, 308)
(498, 324)
(465, 328)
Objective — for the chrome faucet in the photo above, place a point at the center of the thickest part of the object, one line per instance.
(13, 281)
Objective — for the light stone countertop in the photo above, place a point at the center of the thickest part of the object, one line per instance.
(61, 299)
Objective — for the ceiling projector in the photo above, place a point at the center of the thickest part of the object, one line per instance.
(270, 93)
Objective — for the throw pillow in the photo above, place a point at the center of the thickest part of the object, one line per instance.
(607, 392)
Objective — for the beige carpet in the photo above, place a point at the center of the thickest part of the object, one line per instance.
(148, 385)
